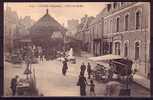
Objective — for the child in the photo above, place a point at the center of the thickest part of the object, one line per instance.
(92, 88)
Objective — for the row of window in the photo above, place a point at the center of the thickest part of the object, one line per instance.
(126, 49)
(116, 5)
(109, 25)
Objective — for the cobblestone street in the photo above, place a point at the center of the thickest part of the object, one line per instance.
(108, 40)
(51, 82)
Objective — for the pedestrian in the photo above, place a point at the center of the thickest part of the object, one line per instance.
(82, 82)
(112, 88)
(41, 56)
(89, 70)
(110, 74)
(23, 54)
(14, 84)
(92, 88)
(36, 52)
(83, 68)
(65, 68)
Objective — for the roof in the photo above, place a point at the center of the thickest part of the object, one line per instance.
(88, 20)
(26, 40)
(46, 24)
(105, 12)
(99, 16)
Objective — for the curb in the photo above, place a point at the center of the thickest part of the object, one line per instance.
(148, 89)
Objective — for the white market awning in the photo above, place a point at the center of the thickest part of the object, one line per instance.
(105, 57)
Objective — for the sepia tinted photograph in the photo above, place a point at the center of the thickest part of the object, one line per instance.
(81, 49)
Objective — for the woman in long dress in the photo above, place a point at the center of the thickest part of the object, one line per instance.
(65, 67)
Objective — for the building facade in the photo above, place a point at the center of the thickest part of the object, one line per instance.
(10, 26)
(127, 30)
(122, 28)
(72, 26)
(83, 32)
(48, 33)
(15, 28)
(95, 35)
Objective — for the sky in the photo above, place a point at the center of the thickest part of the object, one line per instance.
(61, 11)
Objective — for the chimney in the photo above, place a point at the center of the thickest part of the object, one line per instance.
(47, 11)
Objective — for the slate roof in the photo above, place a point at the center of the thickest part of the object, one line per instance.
(46, 24)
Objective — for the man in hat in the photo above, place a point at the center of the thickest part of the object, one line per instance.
(83, 68)
(82, 82)
(89, 70)
(14, 84)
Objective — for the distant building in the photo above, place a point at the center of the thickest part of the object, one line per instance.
(27, 22)
(15, 28)
(47, 33)
(72, 26)
(10, 25)
(83, 31)
(95, 35)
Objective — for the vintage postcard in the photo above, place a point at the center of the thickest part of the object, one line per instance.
(77, 49)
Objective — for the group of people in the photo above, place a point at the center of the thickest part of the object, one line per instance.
(82, 81)
(111, 88)
(83, 69)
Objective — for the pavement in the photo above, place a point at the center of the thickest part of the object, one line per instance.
(51, 82)
(143, 81)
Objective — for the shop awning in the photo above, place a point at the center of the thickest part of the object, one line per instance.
(105, 57)
(116, 59)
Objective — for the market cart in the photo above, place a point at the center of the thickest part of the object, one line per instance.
(100, 71)
(120, 66)
(23, 87)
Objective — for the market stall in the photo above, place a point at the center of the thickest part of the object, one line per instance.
(120, 66)
(23, 87)
(27, 85)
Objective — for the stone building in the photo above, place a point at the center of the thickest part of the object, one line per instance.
(10, 25)
(122, 28)
(95, 35)
(15, 28)
(72, 26)
(127, 30)
(83, 32)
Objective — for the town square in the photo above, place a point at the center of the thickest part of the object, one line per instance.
(77, 49)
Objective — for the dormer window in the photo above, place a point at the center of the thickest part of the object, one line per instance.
(122, 3)
(118, 5)
(108, 7)
(115, 5)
